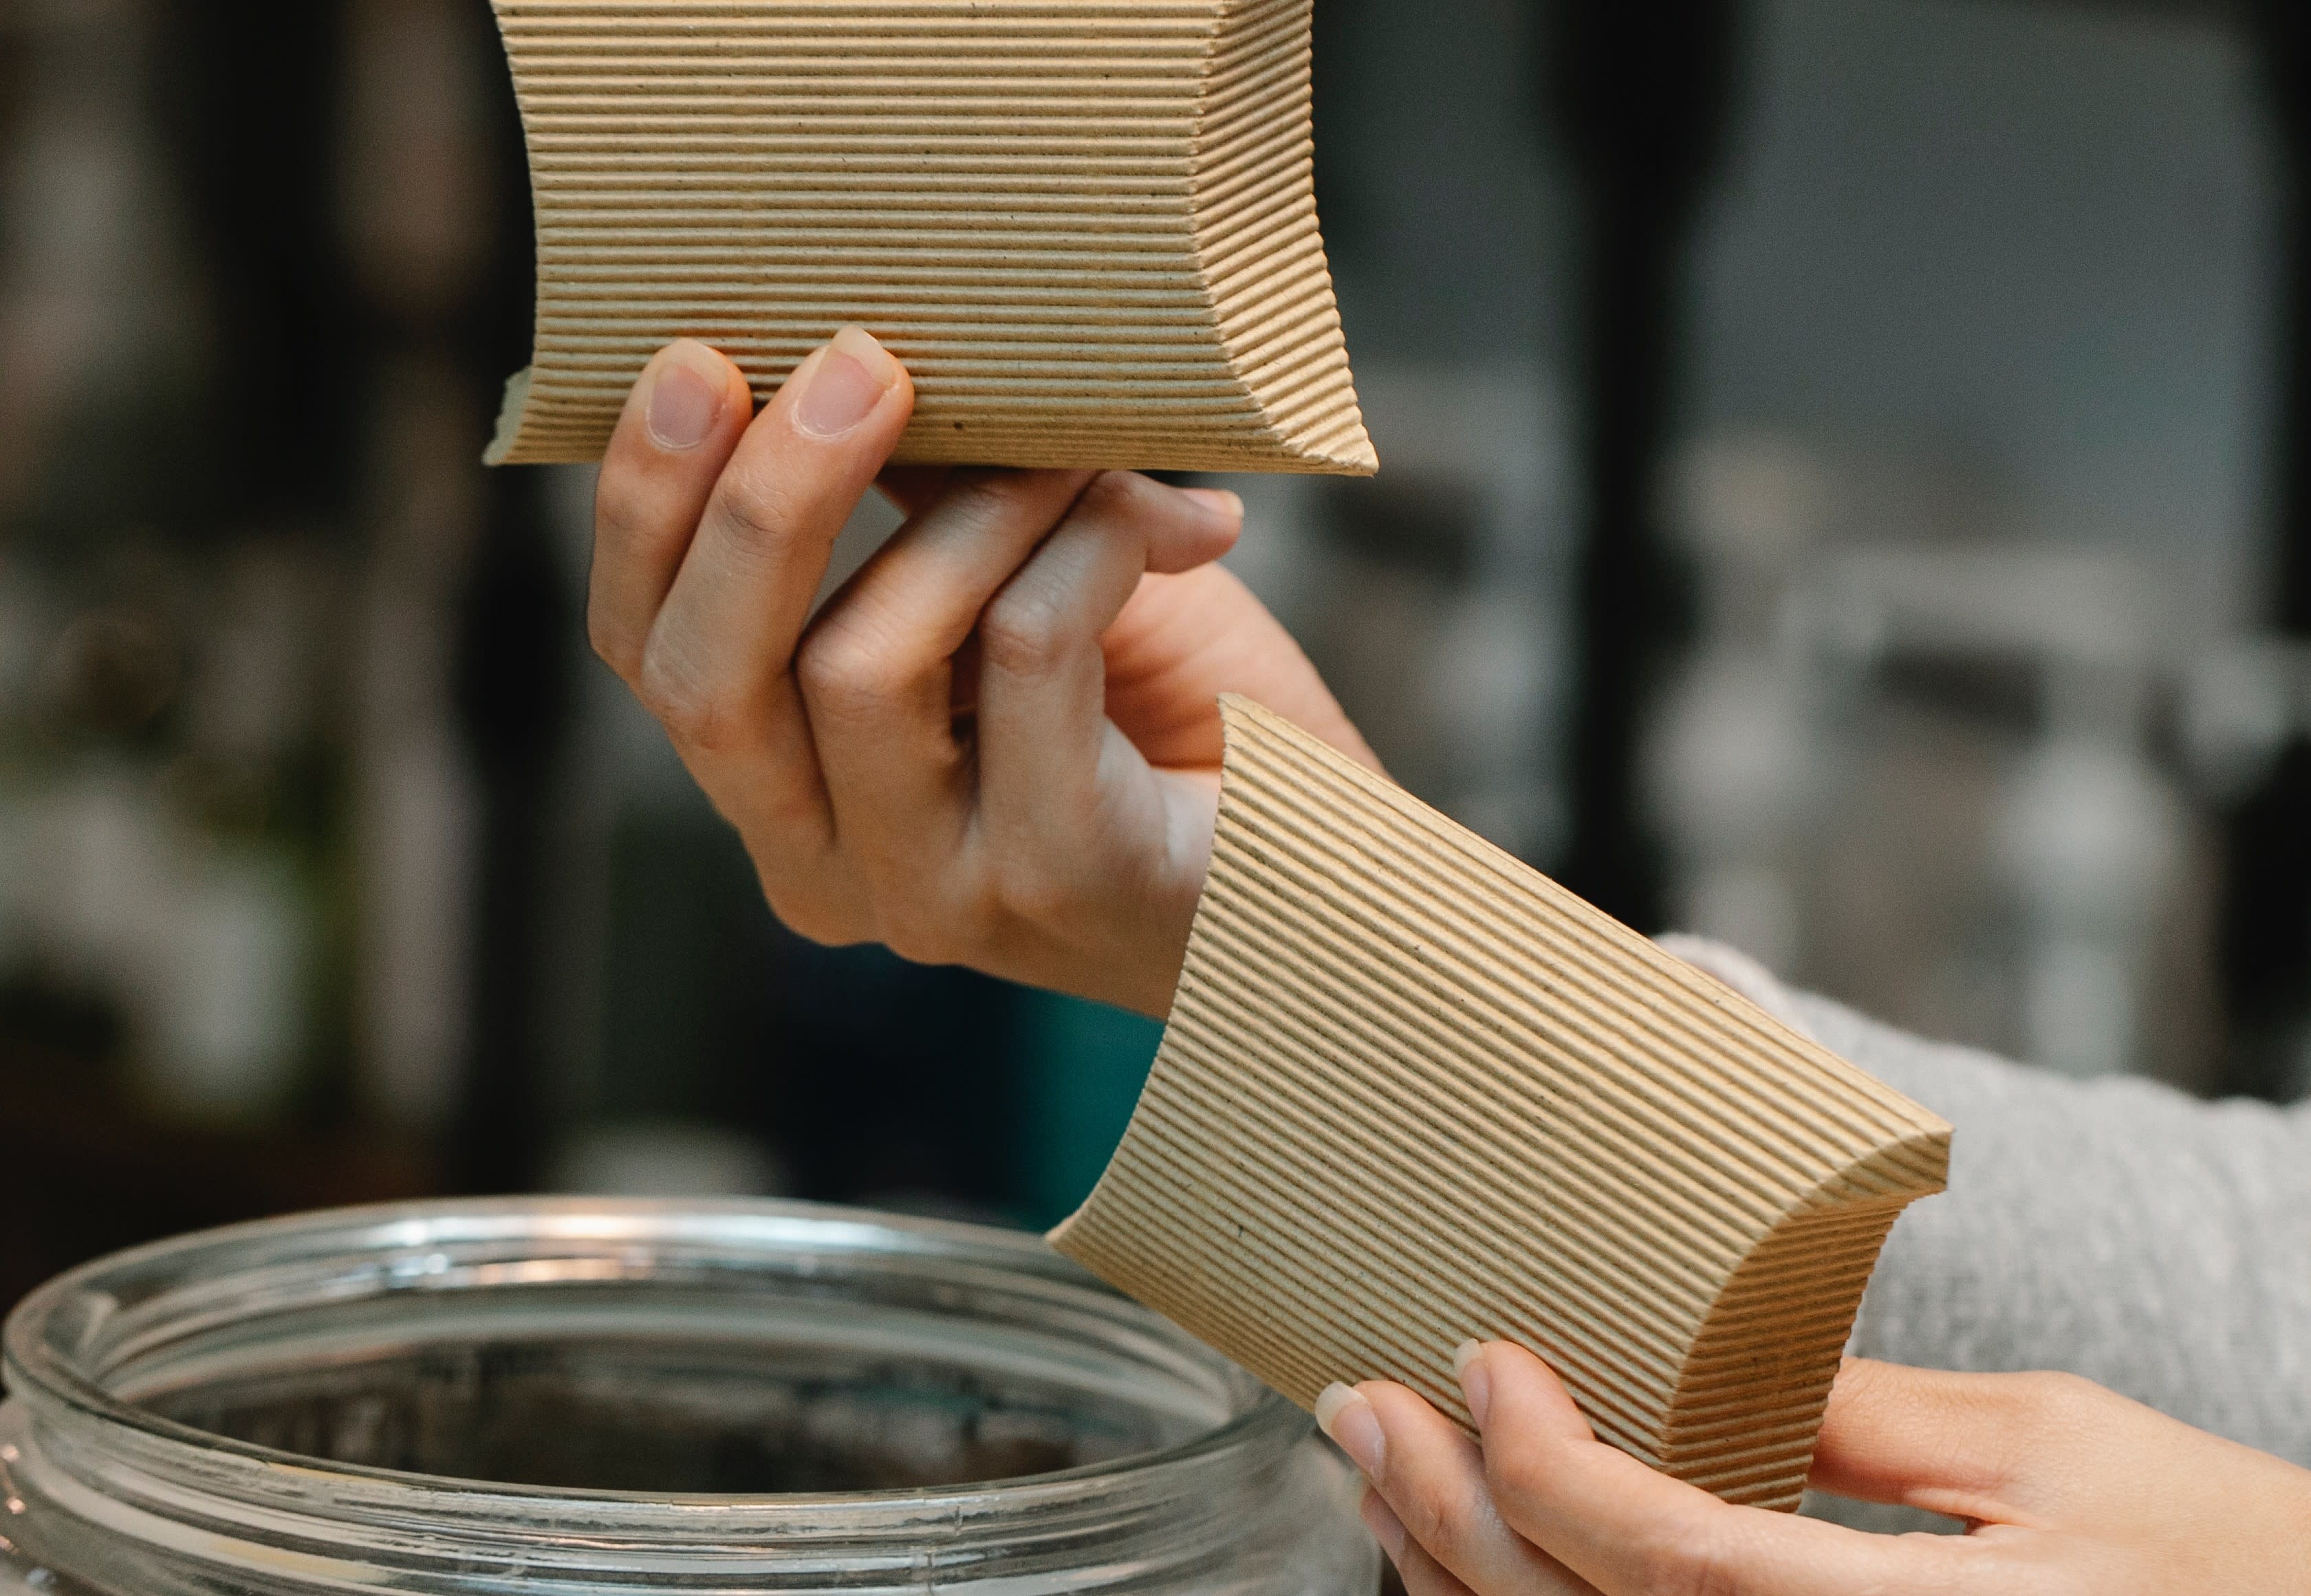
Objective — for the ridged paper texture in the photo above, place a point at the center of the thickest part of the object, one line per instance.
(1087, 226)
(1414, 1092)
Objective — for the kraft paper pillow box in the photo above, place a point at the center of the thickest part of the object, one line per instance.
(1088, 227)
(1413, 1092)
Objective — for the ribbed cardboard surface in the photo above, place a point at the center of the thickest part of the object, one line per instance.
(1087, 226)
(1414, 1092)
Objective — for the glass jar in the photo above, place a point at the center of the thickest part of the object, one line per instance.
(609, 1396)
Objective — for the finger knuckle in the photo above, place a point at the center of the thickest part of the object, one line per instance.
(923, 928)
(610, 642)
(693, 714)
(2052, 1392)
(845, 675)
(1023, 633)
(1430, 1522)
(978, 495)
(1450, 1523)
(758, 510)
(809, 898)
(917, 941)
(621, 510)
(1112, 496)
(2050, 1408)
(1519, 1476)
(1031, 890)
(1689, 1562)
(816, 923)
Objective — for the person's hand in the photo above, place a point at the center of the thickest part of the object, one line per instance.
(2068, 1491)
(998, 744)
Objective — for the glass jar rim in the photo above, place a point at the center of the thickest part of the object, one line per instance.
(47, 1371)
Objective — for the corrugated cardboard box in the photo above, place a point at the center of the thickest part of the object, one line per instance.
(1414, 1092)
(1088, 227)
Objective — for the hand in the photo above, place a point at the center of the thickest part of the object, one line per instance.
(2071, 1491)
(998, 744)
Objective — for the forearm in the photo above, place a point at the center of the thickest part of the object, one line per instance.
(2156, 1244)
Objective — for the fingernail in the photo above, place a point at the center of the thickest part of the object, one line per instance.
(1226, 506)
(842, 389)
(1476, 1381)
(1380, 1519)
(1353, 1426)
(686, 395)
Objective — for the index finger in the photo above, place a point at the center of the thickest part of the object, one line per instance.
(719, 667)
(684, 416)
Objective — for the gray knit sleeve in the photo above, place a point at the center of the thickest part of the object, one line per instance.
(2117, 1229)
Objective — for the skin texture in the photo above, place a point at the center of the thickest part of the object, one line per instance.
(2069, 1490)
(997, 745)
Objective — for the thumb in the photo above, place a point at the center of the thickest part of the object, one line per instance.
(1183, 641)
(1958, 1445)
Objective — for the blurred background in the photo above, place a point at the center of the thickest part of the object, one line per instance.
(1846, 493)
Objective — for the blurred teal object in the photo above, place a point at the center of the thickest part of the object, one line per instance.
(1085, 1065)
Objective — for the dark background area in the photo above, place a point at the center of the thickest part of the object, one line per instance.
(1845, 493)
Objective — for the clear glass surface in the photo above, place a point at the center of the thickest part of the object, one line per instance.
(615, 1396)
